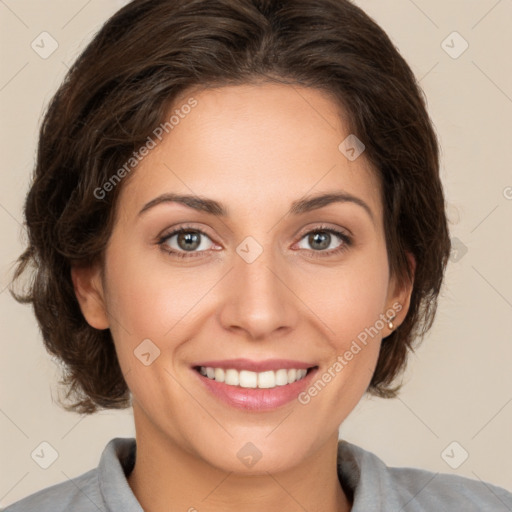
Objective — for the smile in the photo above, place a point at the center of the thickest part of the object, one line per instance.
(249, 379)
(255, 385)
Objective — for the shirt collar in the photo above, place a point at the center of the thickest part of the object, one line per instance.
(366, 479)
(363, 476)
(117, 461)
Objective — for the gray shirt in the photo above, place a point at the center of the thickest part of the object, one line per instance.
(367, 480)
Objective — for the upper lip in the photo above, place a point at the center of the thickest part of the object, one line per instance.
(256, 366)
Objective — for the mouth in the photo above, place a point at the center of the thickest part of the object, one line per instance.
(255, 386)
(269, 379)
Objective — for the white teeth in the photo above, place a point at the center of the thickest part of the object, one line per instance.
(282, 377)
(219, 374)
(232, 378)
(267, 379)
(247, 379)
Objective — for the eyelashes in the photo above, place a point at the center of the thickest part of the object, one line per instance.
(188, 230)
(181, 254)
(346, 239)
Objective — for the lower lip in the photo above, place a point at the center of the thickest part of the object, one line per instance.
(256, 399)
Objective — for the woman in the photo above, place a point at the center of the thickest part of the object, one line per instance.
(238, 228)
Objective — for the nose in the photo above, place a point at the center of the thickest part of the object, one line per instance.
(259, 299)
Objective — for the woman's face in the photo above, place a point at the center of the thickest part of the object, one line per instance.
(265, 288)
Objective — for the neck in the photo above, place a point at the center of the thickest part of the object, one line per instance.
(168, 478)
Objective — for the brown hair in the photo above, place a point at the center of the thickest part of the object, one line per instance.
(120, 89)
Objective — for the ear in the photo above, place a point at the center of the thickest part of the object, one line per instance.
(90, 295)
(399, 295)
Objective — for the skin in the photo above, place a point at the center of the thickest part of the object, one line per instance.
(256, 149)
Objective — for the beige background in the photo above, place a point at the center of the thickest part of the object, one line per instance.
(459, 383)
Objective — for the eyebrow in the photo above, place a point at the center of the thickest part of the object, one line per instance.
(298, 207)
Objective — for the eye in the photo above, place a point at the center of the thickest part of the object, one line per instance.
(323, 237)
(184, 242)
(188, 242)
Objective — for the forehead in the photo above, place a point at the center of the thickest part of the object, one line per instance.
(259, 145)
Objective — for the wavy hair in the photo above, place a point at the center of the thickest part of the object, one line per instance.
(121, 87)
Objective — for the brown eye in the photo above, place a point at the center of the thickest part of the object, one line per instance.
(321, 239)
(185, 240)
(188, 241)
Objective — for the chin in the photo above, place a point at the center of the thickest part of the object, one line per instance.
(244, 456)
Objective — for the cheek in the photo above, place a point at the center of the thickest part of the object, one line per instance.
(155, 302)
(349, 306)
(145, 295)
(350, 300)
(354, 314)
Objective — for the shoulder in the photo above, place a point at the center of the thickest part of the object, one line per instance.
(101, 488)
(441, 491)
(413, 489)
(80, 494)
